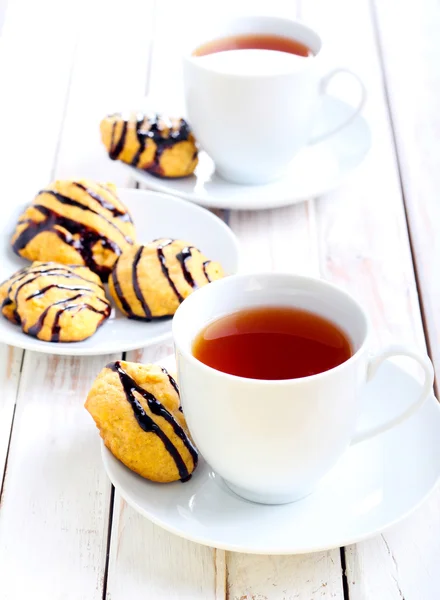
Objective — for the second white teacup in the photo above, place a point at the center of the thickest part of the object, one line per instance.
(273, 440)
(253, 110)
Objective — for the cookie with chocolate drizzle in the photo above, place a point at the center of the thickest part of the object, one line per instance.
(136, 409)
(55, 302)
(75, 222)
(160, 145)
(151, 281)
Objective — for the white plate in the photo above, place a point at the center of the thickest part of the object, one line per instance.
(314, 171)
(154, 215)
(376, 484)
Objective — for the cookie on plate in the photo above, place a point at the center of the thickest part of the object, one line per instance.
(162, 146)
(151, 281)
(55, 302)
(136, 409)
(77, 222)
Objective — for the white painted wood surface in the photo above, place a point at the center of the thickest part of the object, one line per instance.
(87, 58)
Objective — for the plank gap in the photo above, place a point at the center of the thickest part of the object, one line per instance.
(226, 215)
(398, 160)
(109, 538)
(3, 12)
(21, 366)
(345, 588)
(151, 44)
(7, 451)
(64, 110)
(111, 508)
(12, 427)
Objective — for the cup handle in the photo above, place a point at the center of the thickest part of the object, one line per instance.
(372, 368)
(356, 110)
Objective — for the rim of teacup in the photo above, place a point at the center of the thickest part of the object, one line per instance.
(222, 25)
(184, 347)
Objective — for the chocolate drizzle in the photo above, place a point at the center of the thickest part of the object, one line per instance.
(120, 293)
(163, 264)
(44, 269)
(123, 215)
(137, 287)
(175, 135)
(116, 149)
(137, 290)
(182, 257)
(172, 380)
(142, 140)
(147, 424)
(57, 286)
(205, 272)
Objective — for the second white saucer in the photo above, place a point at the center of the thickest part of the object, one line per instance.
(376, 484)
(317, 169)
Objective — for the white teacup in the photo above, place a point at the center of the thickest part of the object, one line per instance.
(272, 441)
(253, 110)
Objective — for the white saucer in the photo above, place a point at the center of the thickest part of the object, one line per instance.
(314, 171)
(154, 215)
(375, 485)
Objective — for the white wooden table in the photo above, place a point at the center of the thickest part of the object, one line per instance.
(64, 532)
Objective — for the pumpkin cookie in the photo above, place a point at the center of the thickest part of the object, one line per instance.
(54, 302)
(162, 146)
(136, 409)
(75, 222)
(151, 281)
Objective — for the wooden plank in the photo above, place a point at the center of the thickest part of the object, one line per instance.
(15, 58)
(307, 577)
(35, 154)
(364, 247)
(110, 74)
(361, 227)
(147, 561)
(283, 240)
(35, 64)
(53, 517)
(413, 86)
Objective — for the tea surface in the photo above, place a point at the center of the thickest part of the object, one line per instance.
(272, 343)
(254, 41)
